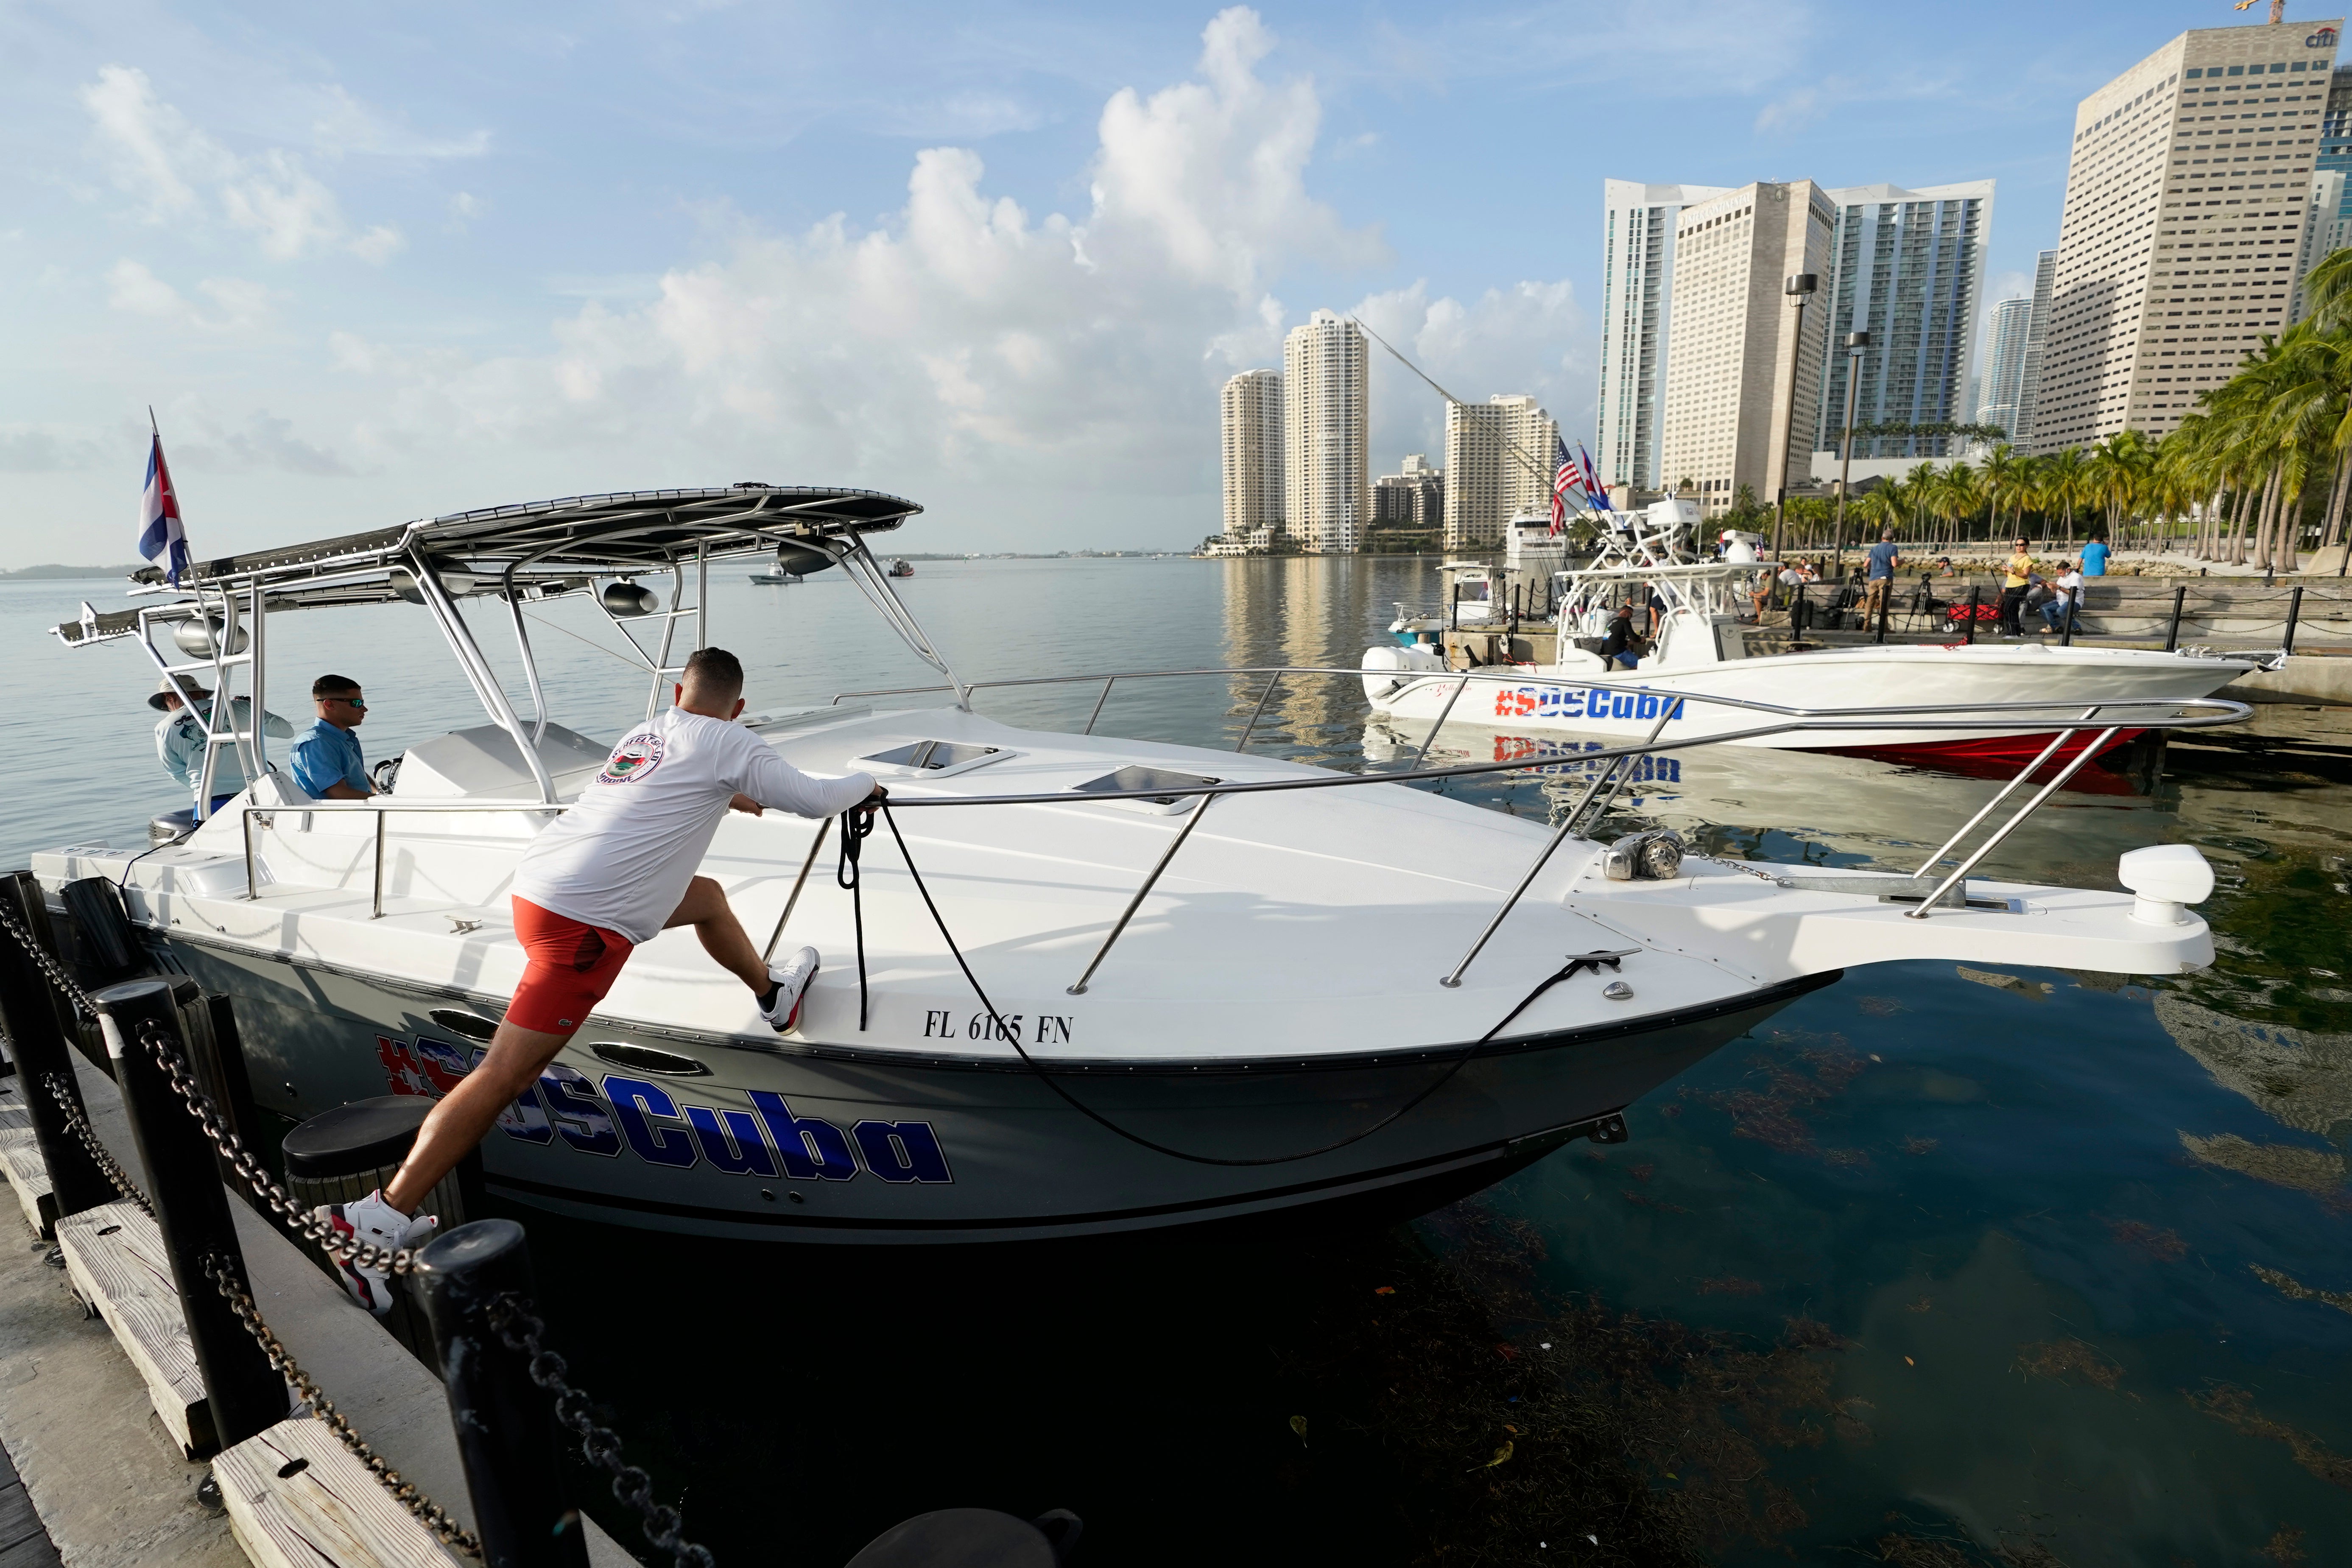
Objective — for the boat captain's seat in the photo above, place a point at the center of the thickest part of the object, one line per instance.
(485, 763)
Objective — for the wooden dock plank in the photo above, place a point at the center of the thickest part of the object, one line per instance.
(296, 1499)
(114, 1255)
(20, 1159)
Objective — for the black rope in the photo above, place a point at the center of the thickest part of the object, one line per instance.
(1012, 1037)
(856, 827)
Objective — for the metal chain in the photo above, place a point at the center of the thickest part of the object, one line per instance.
(108, 1165)
(65, 983)
(427, 1512)
(521, 1330)
(276, 1199)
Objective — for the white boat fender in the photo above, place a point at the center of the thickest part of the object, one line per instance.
(1653, 857)
(2163, 877)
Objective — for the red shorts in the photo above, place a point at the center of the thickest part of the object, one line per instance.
(571, 965)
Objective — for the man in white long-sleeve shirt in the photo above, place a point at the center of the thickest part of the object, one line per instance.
(611, 872)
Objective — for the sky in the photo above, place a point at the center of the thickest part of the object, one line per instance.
(369, 262)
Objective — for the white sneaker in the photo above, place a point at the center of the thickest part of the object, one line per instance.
(782, 1011)
(378, 1224)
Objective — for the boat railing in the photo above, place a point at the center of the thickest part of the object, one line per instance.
(2108, 717)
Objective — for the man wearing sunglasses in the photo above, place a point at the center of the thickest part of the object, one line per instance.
(327, 761)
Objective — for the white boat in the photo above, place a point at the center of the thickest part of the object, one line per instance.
(1091, 1014)
(1700, 648)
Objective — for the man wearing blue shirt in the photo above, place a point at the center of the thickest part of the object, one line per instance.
(327, 761)
(1880, 572)
(179, 737)
(2094, 557)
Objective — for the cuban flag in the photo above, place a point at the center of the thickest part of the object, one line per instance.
(1564, 478)
(161, 535)
(1599, 496)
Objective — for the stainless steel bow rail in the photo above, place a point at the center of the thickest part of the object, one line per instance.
(2108, 717)
(2071, 718)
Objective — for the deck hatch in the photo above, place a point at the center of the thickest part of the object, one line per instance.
(937, 759)
(1130, 778)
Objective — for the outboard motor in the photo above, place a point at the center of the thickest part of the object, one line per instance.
(1388, 670)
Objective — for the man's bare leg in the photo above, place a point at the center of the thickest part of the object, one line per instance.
(463, 1116)
(705, 908)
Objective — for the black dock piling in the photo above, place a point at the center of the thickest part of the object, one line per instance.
(1970, 639)
(39, 1042)
(2172, 633)
(243, 1395)
(354, 1150)
(506, 1423)
(2293, 614)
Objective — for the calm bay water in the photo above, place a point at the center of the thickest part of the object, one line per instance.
(1933, 1264)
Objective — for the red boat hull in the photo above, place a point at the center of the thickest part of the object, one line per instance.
(2014, 751)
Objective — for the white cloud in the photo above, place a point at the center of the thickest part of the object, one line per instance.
(343, 124)
(967, 340)
(176, 171)
(1792, 111)
(132, 288)
(1527, 340)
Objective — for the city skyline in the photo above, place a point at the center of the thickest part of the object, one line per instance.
(1008, 287)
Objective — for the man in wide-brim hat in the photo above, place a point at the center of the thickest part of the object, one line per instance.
(180, 736)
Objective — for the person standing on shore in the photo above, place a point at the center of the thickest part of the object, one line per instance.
(1879, 574)
(2013, 589)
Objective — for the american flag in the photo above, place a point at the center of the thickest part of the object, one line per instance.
(1564, 478)
(161, 533)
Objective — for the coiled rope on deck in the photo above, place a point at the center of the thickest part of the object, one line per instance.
(1044, 1074)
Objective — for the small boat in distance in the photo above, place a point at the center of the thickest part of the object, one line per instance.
(901, 567)
(776, 575)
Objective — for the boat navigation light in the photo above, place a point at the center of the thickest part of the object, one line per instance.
(629, 600)
(2163, 877)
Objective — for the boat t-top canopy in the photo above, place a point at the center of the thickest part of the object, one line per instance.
(532, 547)
(511, 554)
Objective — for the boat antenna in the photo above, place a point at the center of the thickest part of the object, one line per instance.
(1532, 467)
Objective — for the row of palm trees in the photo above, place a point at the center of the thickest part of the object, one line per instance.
(2263, 468)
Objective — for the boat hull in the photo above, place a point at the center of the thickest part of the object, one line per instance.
(1627, 704)
(899, 1149)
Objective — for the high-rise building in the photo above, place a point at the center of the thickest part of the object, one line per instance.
(1412, 497)
(1498, 463)
(1637, 266)
(1327, 489)
(2326, 228)
(1735, 363)
(2183, 225)
(1907, 268)
(2336, 130)
(2004, 371)
(1252, 407)
(2037, 342)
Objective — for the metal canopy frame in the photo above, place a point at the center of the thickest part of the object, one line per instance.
(514, 554)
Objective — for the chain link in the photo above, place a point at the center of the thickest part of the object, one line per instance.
(276, 1198)
(521, 1330)
(78, 1125)
(427, 1512)
(66, 984)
